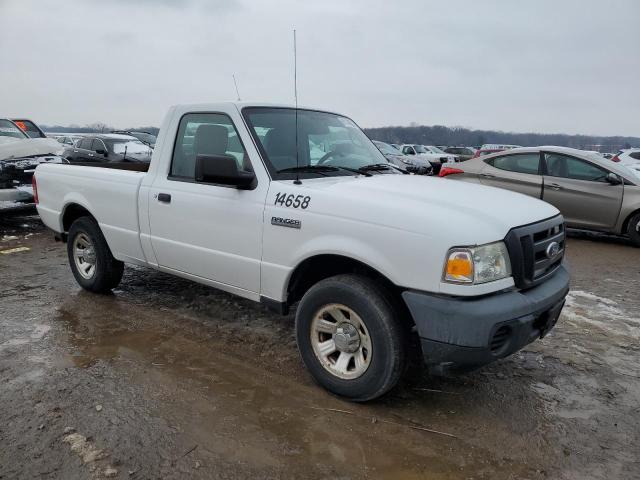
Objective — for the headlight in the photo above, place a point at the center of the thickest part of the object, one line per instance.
(483, 264)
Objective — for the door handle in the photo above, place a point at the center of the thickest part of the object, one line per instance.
(554, 186)
(487, 175)
(164, 197)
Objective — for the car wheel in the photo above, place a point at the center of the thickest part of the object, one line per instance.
(350, 338)
(633, 230)
(90, 258)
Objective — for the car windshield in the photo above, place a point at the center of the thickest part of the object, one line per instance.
(28, 127)
(144, 137)
(9, 129)
(132, 146)
(420, 149)
(387, 149)
(324, 140)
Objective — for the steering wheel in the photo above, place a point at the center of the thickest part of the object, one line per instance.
(327, 156)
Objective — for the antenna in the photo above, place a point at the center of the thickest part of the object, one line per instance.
(236, 84)
(295, 95)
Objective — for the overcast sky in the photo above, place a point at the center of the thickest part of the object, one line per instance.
(541, 66)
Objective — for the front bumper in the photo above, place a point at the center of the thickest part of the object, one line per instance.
(459, 334)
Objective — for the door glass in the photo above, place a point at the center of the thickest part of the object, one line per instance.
(97, 145)
(564, 166)
(85, 143)
(205, 134)
(519, 163)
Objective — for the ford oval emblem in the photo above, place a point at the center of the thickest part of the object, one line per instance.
(553, 249)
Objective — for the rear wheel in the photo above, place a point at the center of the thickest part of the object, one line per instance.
(350, 338)
(90, 258)
(633, 230)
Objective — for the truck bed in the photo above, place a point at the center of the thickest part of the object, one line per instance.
(110, 194)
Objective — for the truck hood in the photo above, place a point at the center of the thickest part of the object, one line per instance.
(19, 148)
(430, 206)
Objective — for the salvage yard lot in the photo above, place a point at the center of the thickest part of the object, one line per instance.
(169, 379)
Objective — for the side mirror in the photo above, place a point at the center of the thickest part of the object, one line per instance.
(101, 151)
(222, 169)
(410, 152)
(613, 179)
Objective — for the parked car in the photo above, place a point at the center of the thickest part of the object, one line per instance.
(463, 153)
(29, 127)
(410, 164)
(420, 152)
(630, 158)
(144, 137)
(108, 148)
(336, 238)
(19, 156)
(438, 151)
(488, 148)
(591, 192)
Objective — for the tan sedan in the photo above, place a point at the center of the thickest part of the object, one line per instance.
(592, 192)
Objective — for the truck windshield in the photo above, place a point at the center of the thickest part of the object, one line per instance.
(324, 140)
(9, 129)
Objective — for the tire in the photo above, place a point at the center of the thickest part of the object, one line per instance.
(633, 230)
(106, 272)
(382, 337)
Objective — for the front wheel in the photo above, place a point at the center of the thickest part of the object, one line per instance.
(633, 230)
(90, 258)
(350, 338)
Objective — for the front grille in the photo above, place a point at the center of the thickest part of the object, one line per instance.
(536, 251)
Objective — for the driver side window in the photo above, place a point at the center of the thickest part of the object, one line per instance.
(563, 166)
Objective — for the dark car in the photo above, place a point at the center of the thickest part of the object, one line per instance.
(463, 153)
(144, 137)
(403, 161)
(108, 148)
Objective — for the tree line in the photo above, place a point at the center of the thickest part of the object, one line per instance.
(458, 136)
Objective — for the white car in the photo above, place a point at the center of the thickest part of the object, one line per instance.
(629, 158)
(435, 159)
(438, 151)
(231, 200)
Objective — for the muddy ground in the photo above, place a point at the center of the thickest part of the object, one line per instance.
(169, 379)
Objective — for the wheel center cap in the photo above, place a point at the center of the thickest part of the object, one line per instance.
(347, 338)
(89, 255)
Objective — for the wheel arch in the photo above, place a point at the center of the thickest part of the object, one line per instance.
(625, 224)
(71, 212)
(318, 267)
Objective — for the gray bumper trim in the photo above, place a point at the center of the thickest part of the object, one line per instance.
(470, 322)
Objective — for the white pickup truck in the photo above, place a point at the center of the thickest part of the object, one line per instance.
(297, 207)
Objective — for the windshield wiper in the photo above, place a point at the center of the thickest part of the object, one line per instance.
(309, 168)
(378, 166)
(321, 169)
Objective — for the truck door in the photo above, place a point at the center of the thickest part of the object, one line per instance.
(519, 172)
(208, 230)
(581, 191)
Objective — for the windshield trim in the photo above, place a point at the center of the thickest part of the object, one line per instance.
(271, 172)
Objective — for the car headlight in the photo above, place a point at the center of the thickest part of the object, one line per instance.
(473, 265)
